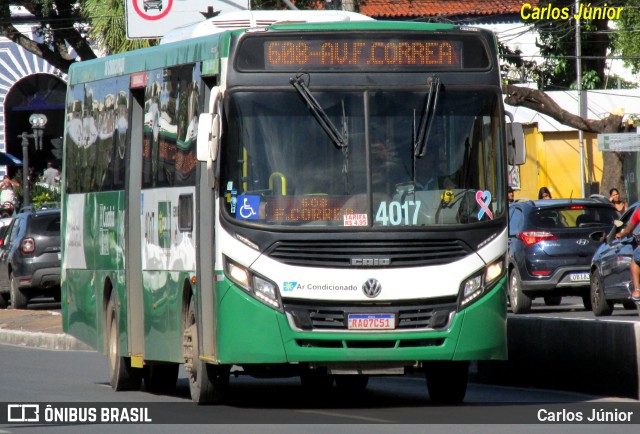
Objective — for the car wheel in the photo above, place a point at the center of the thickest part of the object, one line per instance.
(447, 381)
(18, 297)
(4, 300)
(600, 306)
(520, 302)
(121, 375)
(554, 300)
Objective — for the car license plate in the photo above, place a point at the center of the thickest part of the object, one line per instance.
(579, 277)
(371, 321)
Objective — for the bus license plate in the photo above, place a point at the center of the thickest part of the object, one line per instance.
(371, 321)
(580, 277)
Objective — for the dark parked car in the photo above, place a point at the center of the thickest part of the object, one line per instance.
(30, 258)
(551, 243)
(610, 269)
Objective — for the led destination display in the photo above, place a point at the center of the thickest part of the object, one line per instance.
(322, 52)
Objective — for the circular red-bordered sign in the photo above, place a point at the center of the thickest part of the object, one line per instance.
(146, 16)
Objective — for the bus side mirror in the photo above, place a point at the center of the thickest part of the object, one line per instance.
(516, 150)
(208, 137)
(209, 129)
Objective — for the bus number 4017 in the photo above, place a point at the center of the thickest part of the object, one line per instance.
(395, 213)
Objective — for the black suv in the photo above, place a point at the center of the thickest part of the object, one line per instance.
(30, 258)
(551, 243)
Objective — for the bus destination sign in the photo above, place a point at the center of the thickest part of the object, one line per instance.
(361, 53)
(322, 52)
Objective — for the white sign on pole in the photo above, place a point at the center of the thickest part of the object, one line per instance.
(154, 18)
(619, 142)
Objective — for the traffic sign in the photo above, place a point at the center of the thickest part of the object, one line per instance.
(619, 142)
(154, 18)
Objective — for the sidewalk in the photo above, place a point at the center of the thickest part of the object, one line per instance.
(36, 328)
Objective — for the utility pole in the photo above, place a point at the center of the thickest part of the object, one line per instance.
(581, 101)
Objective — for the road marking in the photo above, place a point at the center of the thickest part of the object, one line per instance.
(329, 413)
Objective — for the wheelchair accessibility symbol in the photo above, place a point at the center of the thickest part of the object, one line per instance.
(248, 207)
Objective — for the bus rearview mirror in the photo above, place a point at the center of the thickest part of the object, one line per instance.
(208, 137)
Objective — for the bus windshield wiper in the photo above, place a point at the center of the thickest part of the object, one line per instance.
(429, 113)
(318, 112)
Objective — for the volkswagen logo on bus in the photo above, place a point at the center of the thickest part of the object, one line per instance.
(371, 288)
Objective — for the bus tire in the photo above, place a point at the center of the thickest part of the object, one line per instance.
(121, 375)
(519, 301)
(160, 378)
(352, 383)
(208, 384)
(18, 297)
(447, 381)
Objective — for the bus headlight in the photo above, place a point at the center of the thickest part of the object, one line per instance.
(480, 283)
(255, 285)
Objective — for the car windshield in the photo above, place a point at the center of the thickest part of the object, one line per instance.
(281, 166)
(575, 216)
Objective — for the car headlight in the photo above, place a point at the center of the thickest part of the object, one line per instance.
(480, 283)
(255, 285)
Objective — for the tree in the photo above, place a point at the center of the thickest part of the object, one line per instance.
(558, 48)
(558, 45)
(539, 101)
(627, 42)
(60, 39)
(66, 27)
(108, 26)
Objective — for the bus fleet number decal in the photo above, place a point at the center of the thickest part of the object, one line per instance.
(395, 213)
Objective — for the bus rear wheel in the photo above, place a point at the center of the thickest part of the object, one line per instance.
(447, 381)
(208, 383)
(121, 375)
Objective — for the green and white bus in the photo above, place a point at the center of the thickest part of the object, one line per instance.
(316, 199)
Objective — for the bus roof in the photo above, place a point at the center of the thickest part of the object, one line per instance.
(210, 48)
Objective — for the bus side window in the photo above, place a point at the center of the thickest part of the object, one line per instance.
(185, 213)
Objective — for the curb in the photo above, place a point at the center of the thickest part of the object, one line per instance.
(588, 356)
(49, 341)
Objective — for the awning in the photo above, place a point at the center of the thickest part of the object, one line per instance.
(7, 159)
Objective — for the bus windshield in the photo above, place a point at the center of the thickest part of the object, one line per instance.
(281, 167)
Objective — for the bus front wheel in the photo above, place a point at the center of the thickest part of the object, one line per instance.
(121, 375)
(208, 383)
(447, 381)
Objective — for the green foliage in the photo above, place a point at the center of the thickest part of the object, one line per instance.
(41, 196)
(108, 26)
(627, 42)
(558, 48)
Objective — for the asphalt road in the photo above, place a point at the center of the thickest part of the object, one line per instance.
(572, 307)
(392, 404)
